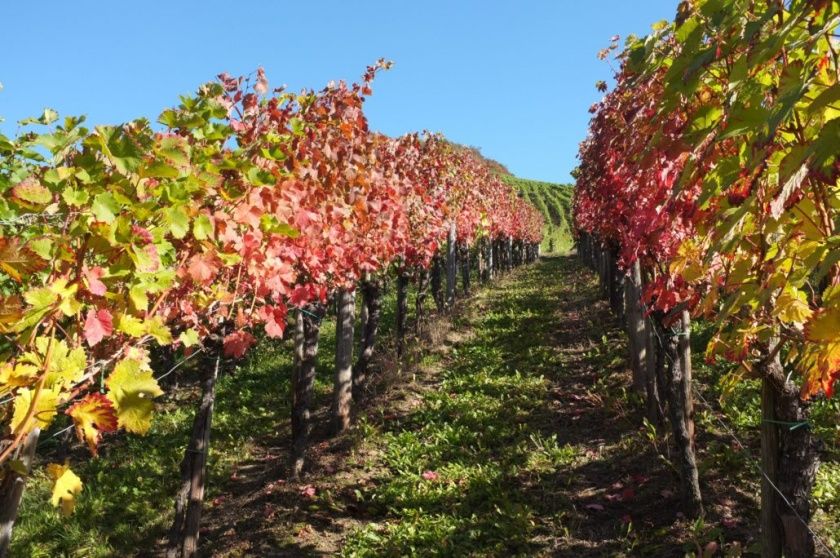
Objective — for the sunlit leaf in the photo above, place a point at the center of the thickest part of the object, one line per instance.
(66, 487)
(131, 389)
(93, 416)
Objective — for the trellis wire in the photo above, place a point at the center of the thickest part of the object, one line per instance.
(750, 458)
(165, 374)
(757, 465)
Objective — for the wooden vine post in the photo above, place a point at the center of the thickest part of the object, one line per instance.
(615, 283)
(402, 310)
(491, 263)
(420, 300)
(11, 489)
(451, 265)
(465, 267)
(789, 458)
(437, 283)
(771, 527)
(307, 334)
(481, 256)
(635, 324)
(184, 533)
(371, 314)
(343, 381)
(681, 407)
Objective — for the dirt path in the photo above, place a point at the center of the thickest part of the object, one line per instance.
(513, 436)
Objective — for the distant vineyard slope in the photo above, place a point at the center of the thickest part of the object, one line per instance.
(555, 203)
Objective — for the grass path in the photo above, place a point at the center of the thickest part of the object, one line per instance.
(521, 436)
(508, 433)
(477, 468)
(513, 436)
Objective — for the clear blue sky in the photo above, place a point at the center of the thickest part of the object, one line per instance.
(514, 78)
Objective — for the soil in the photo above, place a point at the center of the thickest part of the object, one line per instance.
(620, 496)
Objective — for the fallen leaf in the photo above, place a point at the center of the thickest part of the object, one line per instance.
(729, 522)
(627, 494)
(429, 475)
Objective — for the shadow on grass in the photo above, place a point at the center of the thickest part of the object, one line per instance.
(530, 443)
(488, 437)
(518, 438)
(126, 504)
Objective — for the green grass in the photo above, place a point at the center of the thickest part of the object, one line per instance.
(485, 432)
(129, 490)
(509, 481)
(128, 496)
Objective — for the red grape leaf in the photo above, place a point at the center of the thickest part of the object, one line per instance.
(92, 279)
(98, 325)
(236, 344)
(92, 416)
(202, 268)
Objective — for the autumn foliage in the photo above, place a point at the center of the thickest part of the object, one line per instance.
(713, 161)
(248, 203)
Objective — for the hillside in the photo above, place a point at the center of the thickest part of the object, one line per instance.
(555, 203)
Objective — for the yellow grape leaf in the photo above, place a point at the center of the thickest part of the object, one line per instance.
(130, 325)
(792, 306)
(808, 226)
(820, 364)
(831, 295)
(158, 330)
(69, 306)
(19, 375)
(189, 338)
(92, 416)
(42, 345)
(68, 369)
(66, 486)
(131, 390)
(66, 366)
(824, 326)
(688, 261)
(138, 297)
(67, 294)
(6, 371)
(740, 272)
(31, 192)
(41, 301)
(137, 328)
(40, 298)
(45, 409)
